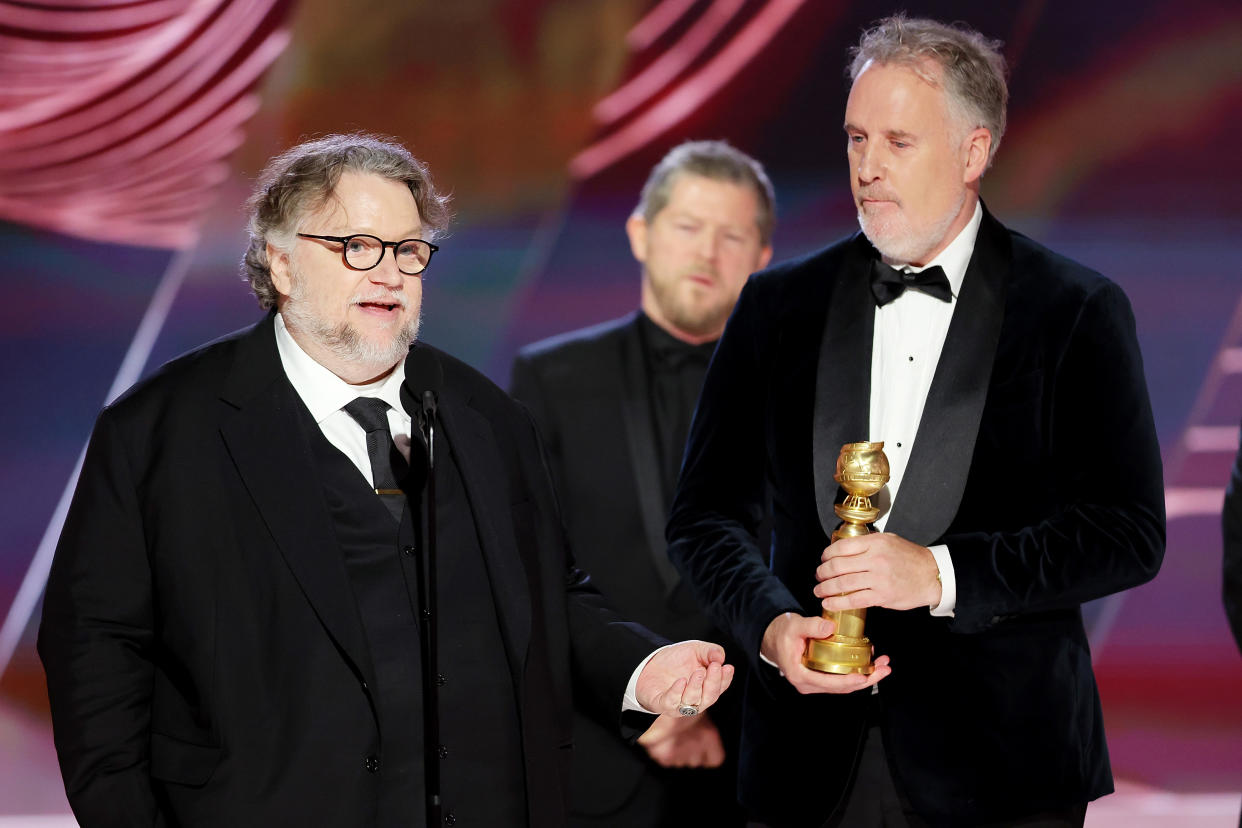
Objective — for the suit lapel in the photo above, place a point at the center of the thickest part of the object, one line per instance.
(272, 454)
(473, 444)
(843, 375)
(945, 440)
(644, 461)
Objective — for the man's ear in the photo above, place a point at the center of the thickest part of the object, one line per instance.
(977, 146)
(636, 229)
(765, 256)
(278, 265)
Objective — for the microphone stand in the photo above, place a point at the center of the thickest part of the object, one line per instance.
(429, 620)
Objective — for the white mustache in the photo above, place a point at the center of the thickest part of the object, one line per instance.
(878, 195)
(390, 298)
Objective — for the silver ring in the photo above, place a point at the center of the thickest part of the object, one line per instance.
(688, 710)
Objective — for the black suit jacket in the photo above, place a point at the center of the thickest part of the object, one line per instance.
(1231, 523)
(206, 661)
(588, 393)
(1036, 462)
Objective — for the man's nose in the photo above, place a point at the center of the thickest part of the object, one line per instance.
(869, 167)
(709, 244)
(386, 272)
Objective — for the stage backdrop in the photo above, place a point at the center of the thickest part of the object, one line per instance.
(130, 134)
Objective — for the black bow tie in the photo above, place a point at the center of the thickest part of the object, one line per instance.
(887, 283)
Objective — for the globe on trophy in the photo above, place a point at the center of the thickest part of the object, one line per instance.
(862, 470)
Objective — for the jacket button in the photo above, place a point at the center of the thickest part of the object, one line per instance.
(443, 752)
(450, 818)
(407, 551)
(440, 679)
(372, 764)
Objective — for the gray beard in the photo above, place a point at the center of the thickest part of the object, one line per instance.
(343, 341)
(907, 249)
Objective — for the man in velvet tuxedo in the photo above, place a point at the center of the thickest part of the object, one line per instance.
(613, 404)
(1007, 386)
(243, 624)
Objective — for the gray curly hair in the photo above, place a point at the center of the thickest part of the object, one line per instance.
(972, 67)
(301, 180)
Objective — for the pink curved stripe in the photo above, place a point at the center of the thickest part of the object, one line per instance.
(665, 70)
(691, 94)
(60, 99)
(145, 104)
(656, 22)
(90, 21)
(119, 132)
(93, 177)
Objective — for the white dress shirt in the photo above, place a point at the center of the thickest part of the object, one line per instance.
(906, 345)
(326, 395)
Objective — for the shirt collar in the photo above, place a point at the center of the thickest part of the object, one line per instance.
(663, 343)
(323, 391)
(955, 258)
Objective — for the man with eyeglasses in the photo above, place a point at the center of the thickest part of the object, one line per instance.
(313, 572)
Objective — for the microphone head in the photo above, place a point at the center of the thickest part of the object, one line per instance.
(422, 374)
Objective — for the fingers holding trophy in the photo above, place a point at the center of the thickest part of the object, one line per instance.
(862, 470)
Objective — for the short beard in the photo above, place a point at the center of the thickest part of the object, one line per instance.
(343, 341)
(901, 245)
(696, 322)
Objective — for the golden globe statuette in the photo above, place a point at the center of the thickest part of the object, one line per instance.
(862, 470)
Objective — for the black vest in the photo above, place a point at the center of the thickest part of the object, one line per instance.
(480, 751)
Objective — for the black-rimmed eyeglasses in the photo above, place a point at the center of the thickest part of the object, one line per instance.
(364, 252)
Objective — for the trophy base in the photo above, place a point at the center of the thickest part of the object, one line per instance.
(839, 655)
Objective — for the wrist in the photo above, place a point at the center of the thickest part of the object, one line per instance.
(945, 592)
(769, 644)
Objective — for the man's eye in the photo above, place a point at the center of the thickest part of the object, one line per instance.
(355, 245)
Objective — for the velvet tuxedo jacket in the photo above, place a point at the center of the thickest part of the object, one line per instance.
(1036, 462)
(588, 393)
(205, 657)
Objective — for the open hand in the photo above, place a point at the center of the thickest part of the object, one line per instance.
(690, 674)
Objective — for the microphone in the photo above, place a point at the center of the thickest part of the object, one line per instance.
(422, 373)
(419, 396)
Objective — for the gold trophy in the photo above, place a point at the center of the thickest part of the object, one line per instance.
(862, 470)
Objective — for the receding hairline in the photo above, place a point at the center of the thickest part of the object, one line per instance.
(930, 71)
(332, 199)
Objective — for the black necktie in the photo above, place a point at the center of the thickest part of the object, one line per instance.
(887, 283)
(387, 464)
